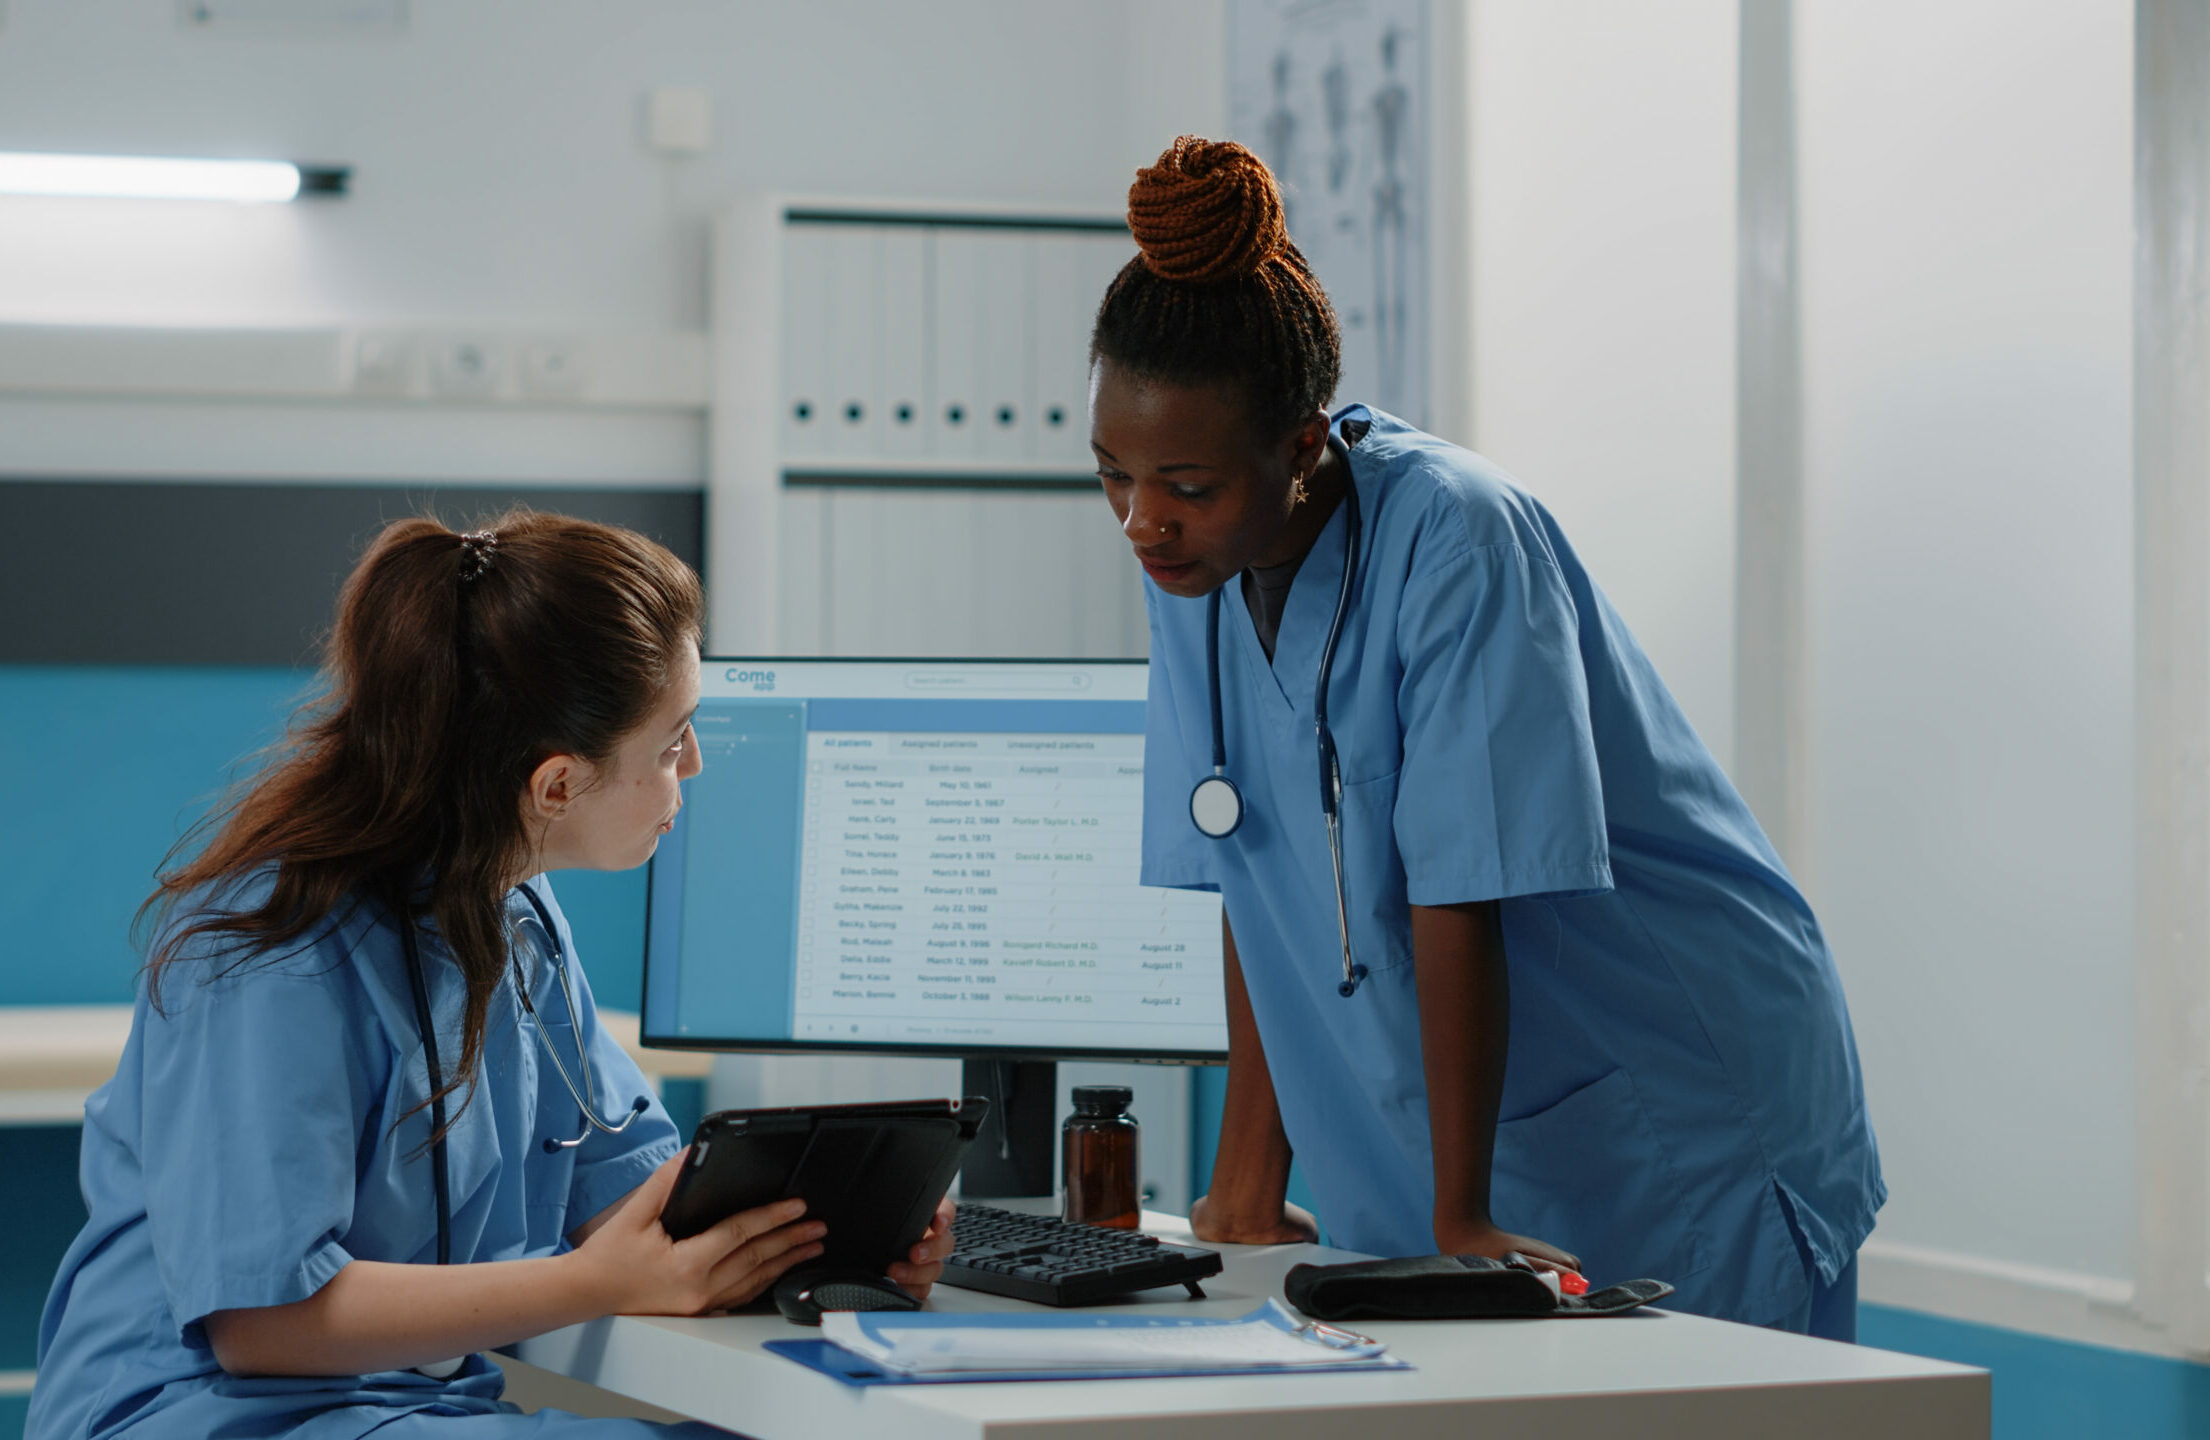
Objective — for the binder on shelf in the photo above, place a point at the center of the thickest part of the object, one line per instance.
(903, 344)
(855, 317)
(1006, 359)
(1072, 270)
(951, 350)
(805, 327)
(957, 339)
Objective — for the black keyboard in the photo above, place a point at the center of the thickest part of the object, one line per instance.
(1045, 1259)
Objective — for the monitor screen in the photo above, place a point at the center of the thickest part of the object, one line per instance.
(934, 857)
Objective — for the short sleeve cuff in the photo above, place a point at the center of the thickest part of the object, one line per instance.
(1177, 877)
(604, 1183)
(1461, 885)
(196, 1297)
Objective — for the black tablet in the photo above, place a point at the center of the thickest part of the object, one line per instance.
(873, 1173)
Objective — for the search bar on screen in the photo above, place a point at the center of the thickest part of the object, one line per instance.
(1061, 682)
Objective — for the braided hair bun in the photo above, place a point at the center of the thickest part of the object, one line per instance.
(1219, 293)
(1208, 211)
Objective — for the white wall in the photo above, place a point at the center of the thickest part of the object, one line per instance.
(1966, 200)
(1603, 298)
(501, 172)
(502, 179)
(1965, 178)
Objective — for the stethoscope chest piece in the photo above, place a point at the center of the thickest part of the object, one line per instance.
(1216, 807)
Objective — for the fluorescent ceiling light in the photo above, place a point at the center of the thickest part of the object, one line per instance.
(144, 178)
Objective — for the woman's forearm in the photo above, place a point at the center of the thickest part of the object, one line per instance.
(1465, 1028)
(374, 1315)
(1250, 1173)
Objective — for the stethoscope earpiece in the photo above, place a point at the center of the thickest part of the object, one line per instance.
(553, 1146)
(1350, 987)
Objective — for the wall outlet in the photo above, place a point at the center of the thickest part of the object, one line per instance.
(679, 119)
(384, 363)
(294, 19)
(467, 367)
(555, 369)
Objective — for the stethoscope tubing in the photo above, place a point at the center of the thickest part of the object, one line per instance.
(439, 1178)
(1331, 769)
(582, 1097)
(428, 1031)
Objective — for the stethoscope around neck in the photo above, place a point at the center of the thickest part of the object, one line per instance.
(581, 1094)
(1216, 804)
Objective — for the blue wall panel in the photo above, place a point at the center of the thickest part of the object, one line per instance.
(103, 768)
(606, 910)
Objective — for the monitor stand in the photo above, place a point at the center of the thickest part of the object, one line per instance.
(1012, 1155)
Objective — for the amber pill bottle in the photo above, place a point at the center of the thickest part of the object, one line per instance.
(1098, 1155)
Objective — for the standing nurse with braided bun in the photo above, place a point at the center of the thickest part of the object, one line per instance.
(1539, 983)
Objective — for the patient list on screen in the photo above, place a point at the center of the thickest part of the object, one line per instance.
(927, 868)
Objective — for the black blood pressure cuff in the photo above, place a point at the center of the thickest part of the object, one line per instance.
(1451, 1287)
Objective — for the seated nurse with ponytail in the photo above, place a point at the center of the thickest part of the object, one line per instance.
(262, 1252)
(1548, 989)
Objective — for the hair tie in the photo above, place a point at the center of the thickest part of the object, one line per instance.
(476, 548)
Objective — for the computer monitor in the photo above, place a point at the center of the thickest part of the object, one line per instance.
(929, 857)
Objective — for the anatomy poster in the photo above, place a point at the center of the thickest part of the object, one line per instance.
(1333, 94)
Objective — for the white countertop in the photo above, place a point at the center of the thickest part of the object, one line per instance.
(1651, 1373)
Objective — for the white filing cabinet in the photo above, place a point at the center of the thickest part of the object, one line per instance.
(901, 455)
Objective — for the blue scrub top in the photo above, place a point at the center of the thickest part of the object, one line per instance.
(246, 1151)
(1682, 1096)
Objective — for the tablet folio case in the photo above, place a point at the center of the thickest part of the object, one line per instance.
(871, 1173)
(1451, 1287)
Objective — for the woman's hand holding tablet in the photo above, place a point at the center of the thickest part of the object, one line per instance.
(637, 1268)
(925, 1261)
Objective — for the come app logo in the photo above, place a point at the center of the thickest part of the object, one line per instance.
(762, 681)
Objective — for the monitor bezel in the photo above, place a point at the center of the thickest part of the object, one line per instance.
(720, 1045)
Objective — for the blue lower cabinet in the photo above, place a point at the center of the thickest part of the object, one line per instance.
(41, 1212)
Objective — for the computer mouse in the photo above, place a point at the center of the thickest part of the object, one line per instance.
(803, 1295)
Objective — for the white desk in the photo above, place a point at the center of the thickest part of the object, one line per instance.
(1649, 1375)
(52, 1057)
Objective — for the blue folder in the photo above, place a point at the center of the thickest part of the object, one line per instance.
(848, 1368)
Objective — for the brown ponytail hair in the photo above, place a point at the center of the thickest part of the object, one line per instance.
(1219, 293)
(457, 664)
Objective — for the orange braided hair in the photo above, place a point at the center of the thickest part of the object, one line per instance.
(1208, 211)
(1219, 292)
